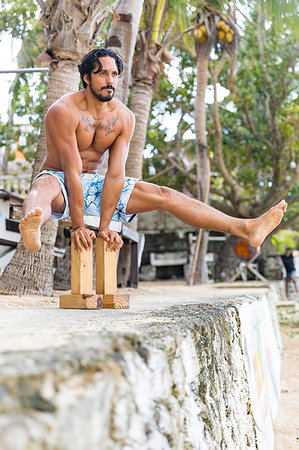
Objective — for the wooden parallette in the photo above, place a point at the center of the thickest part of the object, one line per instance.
(82, 296)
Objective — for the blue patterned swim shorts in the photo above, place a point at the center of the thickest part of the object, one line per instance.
(92, 186)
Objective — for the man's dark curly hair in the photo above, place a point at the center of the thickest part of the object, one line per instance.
(91, 61)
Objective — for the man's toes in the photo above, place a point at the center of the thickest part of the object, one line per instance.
(38, 211)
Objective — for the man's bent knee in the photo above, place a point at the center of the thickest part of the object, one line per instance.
(49, 188)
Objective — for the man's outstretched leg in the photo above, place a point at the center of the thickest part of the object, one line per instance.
(149, 197)
(44, 197)
(293, 278)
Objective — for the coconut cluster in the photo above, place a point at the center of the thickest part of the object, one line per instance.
(224, 31)
(201, 33)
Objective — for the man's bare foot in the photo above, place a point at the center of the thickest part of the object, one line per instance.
(30, 229)
(263, 225)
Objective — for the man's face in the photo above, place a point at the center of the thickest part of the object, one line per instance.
(103, 84)
(288, 252)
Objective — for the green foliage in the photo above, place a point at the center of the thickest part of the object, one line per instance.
(28, 91)
(260, 116)
(176, 18)
(282, 13)
(173, 101)
(17, 17)
(285, 239)
(28, 97)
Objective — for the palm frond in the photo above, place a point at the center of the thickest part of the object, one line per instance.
(282, 13)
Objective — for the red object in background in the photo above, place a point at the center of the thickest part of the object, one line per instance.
(244, 250)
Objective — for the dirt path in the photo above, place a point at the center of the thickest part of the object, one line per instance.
(287, 420)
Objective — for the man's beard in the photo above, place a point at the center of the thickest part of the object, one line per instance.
(101, 97)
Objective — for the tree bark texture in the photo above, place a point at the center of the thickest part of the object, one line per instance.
(203, 164)
(72, 26)
(122, 40)
(140, 105)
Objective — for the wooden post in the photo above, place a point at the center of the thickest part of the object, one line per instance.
(106, 280)
(81, 271)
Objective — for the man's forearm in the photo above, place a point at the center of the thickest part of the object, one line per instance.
(111, 192)
(76, 201)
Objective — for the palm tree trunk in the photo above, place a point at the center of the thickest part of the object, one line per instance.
(203, 166)
(32, 273)
(141, 106)
(122, 40)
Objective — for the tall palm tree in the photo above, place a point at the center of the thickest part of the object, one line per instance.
(163, 22)
(213, 31)
(70, 30)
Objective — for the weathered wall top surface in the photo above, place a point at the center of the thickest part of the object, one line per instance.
(169, 373)
(34, 322)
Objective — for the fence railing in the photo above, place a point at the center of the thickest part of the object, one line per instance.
(18, 184)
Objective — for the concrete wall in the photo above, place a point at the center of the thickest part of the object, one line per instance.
(196, 375)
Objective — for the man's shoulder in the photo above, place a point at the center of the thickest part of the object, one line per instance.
(128, 117)
(68, 101)
(65, 106)
(122, 108)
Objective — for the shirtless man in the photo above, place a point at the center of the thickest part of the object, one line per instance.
(80, 127)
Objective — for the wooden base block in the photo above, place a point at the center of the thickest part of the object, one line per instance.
(94, 301)
(116, 301)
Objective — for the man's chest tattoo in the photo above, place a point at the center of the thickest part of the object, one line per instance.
(94, 124)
